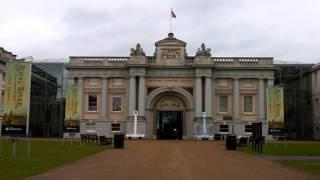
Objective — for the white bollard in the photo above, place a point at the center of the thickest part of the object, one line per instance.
(204, 115)
(135, 121)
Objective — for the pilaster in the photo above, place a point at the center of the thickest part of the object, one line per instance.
(141, 106)
(236, 100)
(132, 95)
(198, 97)
(261, 105)
(104, 99)
(208, 96)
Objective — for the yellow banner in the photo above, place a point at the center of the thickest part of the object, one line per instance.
(73, 108)
(275, 109)
(17, 95)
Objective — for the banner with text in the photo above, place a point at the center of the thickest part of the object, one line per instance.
(275, 110)
(73, 109)
(16, 98)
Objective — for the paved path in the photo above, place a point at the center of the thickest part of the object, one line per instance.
(185, 160)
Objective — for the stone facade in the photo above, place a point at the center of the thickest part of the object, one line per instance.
(231, 90)
(315, 74)
(5, 57)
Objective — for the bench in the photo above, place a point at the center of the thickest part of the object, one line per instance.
(89, 138)
(218, 137)
(105, 140)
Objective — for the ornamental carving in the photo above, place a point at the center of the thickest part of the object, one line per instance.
(138, 51)
(170, 54)
(170, 102)
(203, 51)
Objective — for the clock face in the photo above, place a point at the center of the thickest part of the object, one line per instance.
(170, 54)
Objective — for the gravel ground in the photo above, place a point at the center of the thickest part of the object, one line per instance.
(185, 160)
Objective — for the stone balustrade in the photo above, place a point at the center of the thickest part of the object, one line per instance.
(238, 61)
(97, 61)
(150, 60)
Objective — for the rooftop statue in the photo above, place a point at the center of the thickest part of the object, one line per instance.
(203, 51)
(138, 51)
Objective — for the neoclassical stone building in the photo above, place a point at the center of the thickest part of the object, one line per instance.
(170, 90)
(5, 56)
(315, 78)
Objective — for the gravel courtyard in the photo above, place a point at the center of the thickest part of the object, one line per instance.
(152, 159)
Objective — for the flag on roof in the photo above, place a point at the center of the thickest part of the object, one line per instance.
(173, 14)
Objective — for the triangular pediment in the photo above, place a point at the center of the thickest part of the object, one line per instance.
(170, 51)
(170, 41)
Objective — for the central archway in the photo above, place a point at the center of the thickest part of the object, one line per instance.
(169, 108)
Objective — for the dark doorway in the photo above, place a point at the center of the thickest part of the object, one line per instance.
(169, 125)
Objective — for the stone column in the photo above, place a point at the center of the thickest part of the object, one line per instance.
(104, 99)
(261, 105)
(214, 106)
(80, 83)
(236, 100)
(208, 96)
(132, 95)
(141, 96)
(198, 97)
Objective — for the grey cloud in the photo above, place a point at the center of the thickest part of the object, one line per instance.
(285, 29)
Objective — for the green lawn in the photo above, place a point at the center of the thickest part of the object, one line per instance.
(291, 149)
(311, 166)
(44, 155)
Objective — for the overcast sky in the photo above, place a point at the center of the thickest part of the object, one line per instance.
(284, 29)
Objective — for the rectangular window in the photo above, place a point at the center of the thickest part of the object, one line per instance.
(248, 83)
(115, 127)
(223, 103)
(224, 128)
(248, 128)
(92, 102)
(222, 82)
(247, 104)
(91, 127)
(116, 103)
(93, 82)
(117, 82)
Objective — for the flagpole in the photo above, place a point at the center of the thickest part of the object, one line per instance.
(170, 21)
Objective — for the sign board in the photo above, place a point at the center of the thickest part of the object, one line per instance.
(275, 115)
(16, 98)
(73, 109)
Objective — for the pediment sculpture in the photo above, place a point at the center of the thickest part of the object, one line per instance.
(170, 54)
(170, 102)
(138, 51)
(203, 51)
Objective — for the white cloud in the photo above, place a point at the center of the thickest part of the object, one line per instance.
(284, 29)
